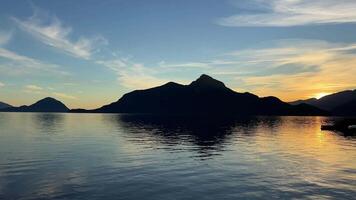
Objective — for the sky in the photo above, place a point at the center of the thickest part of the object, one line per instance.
(88, 53)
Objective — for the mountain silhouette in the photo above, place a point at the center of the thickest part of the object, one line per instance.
(346, 109)
(203, 96)
(336, 103)
(4, 105)
(45, 105)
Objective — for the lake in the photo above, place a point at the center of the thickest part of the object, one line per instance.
(107, 156)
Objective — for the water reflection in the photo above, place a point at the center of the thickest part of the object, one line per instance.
(207, 135)
(49, 123)
(94, 156)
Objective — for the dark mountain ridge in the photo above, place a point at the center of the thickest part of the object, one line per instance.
(346, 109)
(203, 96)
(4, 105)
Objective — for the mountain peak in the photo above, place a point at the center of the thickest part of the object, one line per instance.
(205, 77)
(172, 84)
(207, 81)
(48, 99)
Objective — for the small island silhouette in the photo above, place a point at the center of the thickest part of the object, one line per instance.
(47, 104)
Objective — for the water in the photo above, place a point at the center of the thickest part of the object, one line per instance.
(94, 156)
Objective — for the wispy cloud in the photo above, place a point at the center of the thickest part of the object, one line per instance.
(202, 65)
(184, 65)
(292, 13)
(14, 64)
(5, 37)
(51, 31)
(33, 87)
(64, 95)
(133, 75)
(2, 84)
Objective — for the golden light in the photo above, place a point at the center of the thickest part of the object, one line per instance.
(321, 94)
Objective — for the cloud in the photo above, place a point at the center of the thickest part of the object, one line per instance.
(33, 87)
(202, 65)
(133, 75)
(312, 67)
(282, 13)
(14, 64)
(184, 65)
(51, 31)
(63, 95)
(2, 84)
(5, 37)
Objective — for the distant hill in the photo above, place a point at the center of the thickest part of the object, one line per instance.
(333, 102)
(45, 105)
(306, 101)
(4, 105)
(203, 96)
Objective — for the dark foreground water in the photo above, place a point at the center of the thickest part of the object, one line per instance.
(94, 156)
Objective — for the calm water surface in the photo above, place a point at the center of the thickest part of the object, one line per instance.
(94, 156)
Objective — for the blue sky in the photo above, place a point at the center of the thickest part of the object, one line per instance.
(89, 53)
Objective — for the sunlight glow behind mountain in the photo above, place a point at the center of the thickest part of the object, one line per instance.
(321, 94)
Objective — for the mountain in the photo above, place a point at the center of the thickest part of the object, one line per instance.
(346, 109)
(45, 105)
(4, 105)
(332, 101)
(203, 96)
(306, 101)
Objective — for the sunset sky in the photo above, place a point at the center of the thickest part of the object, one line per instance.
(89, 53)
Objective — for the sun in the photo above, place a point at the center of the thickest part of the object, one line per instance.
(321, 94)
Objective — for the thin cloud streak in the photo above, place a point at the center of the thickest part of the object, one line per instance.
(33, 87)
(14, 64)
(64, 95)
(284, 13)
(51, 31)
(132, 75)
(5, 37)
(163, 64)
